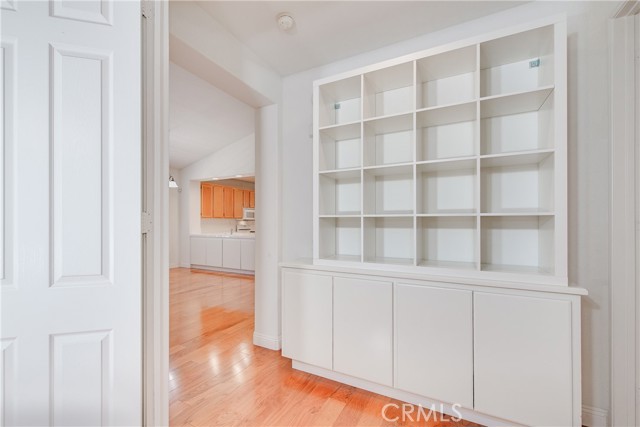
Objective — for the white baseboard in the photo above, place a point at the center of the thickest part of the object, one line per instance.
(443, 407)
(594, 417)
(185, 265)
(267, 341)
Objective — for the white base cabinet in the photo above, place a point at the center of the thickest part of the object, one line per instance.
(362, 335)
(226, 254)
(247, 254)
(436, 325)
(306, 322)
(523, 357)
(503, 354)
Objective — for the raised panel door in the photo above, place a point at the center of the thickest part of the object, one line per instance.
(71, 179)
(246, 198)
(206, 201)
(252, 199)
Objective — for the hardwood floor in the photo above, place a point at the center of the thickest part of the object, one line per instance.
(219, 378)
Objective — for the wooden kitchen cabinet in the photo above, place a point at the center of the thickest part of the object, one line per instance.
(228, 202)
(238, 203)
(252, 199)
(246, 198)
(218, 201)
(206, 201)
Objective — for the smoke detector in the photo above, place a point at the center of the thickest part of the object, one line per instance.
(285, 21)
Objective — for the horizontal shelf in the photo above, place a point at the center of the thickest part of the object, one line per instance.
(338, 126)
(458, 265)
(386, 260)
(343, 258)
(515, 158)
(514, 103)
(517, 269)
(340, 216)
(390, 215)
(342, 131)
(522, 212)
(448, 215)
(341, 173)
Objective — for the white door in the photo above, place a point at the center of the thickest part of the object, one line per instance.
(71, 276)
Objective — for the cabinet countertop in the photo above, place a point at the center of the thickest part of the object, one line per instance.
(308, 264)
(244, 236)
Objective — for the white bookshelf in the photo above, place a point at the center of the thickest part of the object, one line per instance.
(448, 161)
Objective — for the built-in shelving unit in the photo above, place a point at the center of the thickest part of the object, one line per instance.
(451, 159)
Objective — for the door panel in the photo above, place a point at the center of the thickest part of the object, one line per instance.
(228, 202)
(434, 343)
(252, 199)
(231, 253)
(247, 255)
(206, 201)
(218, 202)
(362, 328)
(213, 250)
(306, 318)
(71, 307)
(238, 199)
(523, 359)
(246, 198)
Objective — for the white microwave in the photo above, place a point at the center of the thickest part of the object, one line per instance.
(249, 213)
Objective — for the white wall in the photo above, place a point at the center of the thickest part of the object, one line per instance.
(588, 159)
(237, 158)
(268, 227)
(174, 220)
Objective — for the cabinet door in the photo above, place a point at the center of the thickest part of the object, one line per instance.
(231, 253)
(228, 202)
(198, 251)
(214, 252)
(238, 199)
(206, 201)
(252, 199)
(434, 343)
(218, 201)
(523, 369)
(247, 254)
(306, 318)
(246, 199)
(362, 327)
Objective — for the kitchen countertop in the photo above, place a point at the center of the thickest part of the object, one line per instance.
(227, 235)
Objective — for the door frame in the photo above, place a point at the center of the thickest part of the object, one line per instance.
(624, 210)
(155, 215)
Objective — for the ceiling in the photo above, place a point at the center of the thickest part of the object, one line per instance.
(327, 31)
(202, 118)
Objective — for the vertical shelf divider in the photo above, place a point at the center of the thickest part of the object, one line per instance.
(478, 148)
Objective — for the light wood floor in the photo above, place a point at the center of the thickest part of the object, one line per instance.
(219, 378)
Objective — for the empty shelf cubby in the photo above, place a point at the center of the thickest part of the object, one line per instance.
(340, 239)
(447, 187)
(388, 190)
(389, 240)
(388, 140)
(340, 193)
(340, 102)
(446, 132)
(340, 147)
(447, 241)
(389, 91)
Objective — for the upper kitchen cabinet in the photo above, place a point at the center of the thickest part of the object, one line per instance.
(206, 201)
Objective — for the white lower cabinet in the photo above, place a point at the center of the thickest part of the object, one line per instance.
(433, 332)
(307, 318)
(523, 359)
(231, 253)
(214, 252)
(362, 329)
(198, 250)
(247, 254)
(506, 355)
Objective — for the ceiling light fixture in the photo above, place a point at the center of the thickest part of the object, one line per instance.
(285, 21)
